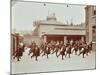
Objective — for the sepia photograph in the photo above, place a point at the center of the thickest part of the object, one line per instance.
(52, 37)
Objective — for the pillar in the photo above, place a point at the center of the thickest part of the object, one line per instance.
(45, 38)
(65, 39)
(82, 38)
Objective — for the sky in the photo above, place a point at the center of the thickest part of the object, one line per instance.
(25, 13)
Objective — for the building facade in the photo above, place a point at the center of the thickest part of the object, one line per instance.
(51, 29)
(90, 24)
(15, 40)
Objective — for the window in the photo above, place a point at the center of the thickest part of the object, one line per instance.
(94, 12)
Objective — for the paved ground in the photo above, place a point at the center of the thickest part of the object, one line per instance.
(27, 65)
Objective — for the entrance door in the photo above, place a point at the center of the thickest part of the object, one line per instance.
(55, 38)
(74, 37)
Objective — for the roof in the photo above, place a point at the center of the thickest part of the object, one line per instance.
(49, 22)
(51, 19)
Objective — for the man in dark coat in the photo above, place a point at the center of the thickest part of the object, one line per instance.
(68, 51)
(62, 52)
(36, 52)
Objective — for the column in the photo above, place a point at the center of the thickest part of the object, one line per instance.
(65, 39)
(82, 38)
(45, 38)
